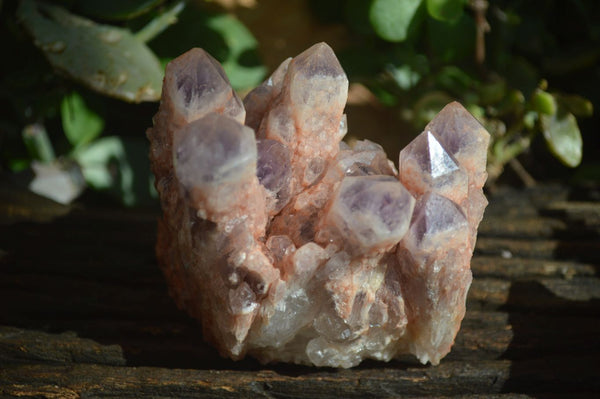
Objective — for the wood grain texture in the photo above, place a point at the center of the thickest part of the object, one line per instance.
(84, 312)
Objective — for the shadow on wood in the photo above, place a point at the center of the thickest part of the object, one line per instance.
(86, 312)
(553, 350)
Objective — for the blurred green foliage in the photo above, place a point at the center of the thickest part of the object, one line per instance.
(108, 59)
(84, 84)
(81, 62)
(496, 58)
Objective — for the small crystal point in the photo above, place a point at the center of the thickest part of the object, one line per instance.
(425, 165)
(436, 220)
(317, 80)
(371, 211)
(462, 136)
(319, 60)
(213, 150)
(365, 158)
(197, 85)
(257, 102)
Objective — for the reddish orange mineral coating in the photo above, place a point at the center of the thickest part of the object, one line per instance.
(332, 260)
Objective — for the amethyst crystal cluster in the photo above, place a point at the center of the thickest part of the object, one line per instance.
(290, 245)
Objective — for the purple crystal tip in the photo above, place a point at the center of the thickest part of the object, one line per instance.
(292, 246)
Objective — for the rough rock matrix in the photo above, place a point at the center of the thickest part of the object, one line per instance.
(288, 244)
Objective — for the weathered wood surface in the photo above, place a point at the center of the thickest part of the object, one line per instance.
(84, 312)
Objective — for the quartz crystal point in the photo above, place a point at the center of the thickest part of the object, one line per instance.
(215, 162)
(370, 212)
(305, 111)
(434, 275)
(195, 85)
(290, 245)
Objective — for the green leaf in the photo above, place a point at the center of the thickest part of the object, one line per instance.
(404, 75)
(222, 36)
(543, 102)
(563, 137)
(478, 112)
(159, 23)
(445, 10)
(408, 69)
(241, 65)
(115, 9)
(80, 124)
(95, 161)
(383, 94)
(107, 59)
(392, 19)
(529, 119)
(118, 166)
(577, 105)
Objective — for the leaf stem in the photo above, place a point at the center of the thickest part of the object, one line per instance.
(525, 177)
(509, 151)
(160, 23)
(37, 142)
(479, 8)
(503, 151)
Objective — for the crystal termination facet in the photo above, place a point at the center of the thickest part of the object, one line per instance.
(288, 244)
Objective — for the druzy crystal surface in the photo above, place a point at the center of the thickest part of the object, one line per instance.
(290, 245)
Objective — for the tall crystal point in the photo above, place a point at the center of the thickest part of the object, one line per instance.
(465, 138)
(308, 111)
(435, 276)
(290, 245)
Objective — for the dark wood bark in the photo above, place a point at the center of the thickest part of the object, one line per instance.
(84, 312)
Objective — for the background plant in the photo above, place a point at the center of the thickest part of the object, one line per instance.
(76, 92)
(506, 61)
(497, 58)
